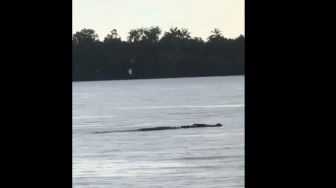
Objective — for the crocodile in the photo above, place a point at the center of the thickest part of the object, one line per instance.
(163, 128)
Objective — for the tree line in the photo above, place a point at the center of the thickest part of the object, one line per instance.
(145, 55)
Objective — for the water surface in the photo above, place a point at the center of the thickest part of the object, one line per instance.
(202, 157)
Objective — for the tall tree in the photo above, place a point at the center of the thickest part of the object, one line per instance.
(135, 35)
(185, 34)
(216, 35)
(112, 36)
(152, 34)
(85, 35)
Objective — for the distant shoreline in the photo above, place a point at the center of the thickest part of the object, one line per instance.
(147, 56)
(160, 78)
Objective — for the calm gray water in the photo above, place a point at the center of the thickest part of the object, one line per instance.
(203, 157)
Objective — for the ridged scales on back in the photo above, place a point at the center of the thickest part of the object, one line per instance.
(163, 128)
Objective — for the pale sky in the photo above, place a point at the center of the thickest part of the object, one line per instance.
(198, 16)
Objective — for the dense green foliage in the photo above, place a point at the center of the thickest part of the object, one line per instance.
(175, 54)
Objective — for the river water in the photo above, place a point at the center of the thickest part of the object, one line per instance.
(201, 157)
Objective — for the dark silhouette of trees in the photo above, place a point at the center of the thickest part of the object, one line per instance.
(185, 34)
(152, 34)
(216, 35)
(85, 36)
(135, 35)
(176, 54)
(112, 36)
(176, 34)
